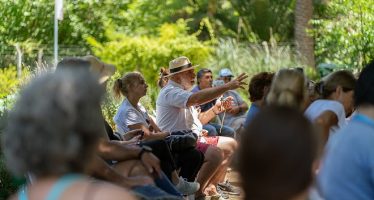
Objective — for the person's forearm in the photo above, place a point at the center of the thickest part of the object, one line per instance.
(208, 115)
(154, 125)
(100, 169)
(243, 107)
(114, 150)
(206, 95)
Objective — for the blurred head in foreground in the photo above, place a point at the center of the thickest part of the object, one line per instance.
(277, 154)
(55, 124)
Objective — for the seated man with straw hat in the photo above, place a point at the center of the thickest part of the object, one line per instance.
(175, 111)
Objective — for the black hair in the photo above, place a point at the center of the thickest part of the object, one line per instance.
(257, 85)
(364, 90)
(201, 72)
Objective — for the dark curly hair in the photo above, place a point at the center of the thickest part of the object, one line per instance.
(257, 85)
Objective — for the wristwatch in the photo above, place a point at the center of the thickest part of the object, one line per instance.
(144, 149)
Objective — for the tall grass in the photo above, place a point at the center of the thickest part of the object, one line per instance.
(253, 58)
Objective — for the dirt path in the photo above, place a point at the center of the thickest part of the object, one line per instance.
(233, 177)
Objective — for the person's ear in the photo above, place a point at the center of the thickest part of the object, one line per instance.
(339, 90)
(265, 91)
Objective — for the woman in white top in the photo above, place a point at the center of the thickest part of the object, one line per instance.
(335, 103)
(131, 115)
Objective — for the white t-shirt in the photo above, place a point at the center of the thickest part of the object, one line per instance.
(172, 113)
(321, 105)
(127, 115)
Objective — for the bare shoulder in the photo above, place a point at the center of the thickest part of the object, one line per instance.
(327, 117)
(112, 192)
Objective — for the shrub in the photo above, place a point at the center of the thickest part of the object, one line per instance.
(147, 54)
(344, 34)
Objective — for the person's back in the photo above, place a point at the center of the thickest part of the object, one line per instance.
(347, 170)
(320, 106)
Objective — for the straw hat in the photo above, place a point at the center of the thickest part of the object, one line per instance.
(103, 70)
(179, 65)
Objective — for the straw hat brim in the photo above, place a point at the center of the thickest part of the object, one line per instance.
(103, 70)
(106, 73)
(183, 70)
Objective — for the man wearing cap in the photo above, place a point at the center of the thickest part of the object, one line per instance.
(205, 80)
(235, 116)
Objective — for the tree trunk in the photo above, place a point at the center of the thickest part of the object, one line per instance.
(212, 8)
(304, 42)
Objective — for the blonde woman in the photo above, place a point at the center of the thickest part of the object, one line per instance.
(288, 89)
(132, 116)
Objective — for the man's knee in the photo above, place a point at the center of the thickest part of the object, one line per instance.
(214, 155)
(227, 132)
(212, 131)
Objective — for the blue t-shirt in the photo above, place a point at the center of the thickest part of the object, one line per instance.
(347, 170)
(253, 110)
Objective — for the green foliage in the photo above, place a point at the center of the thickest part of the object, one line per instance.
(267, 18)
(8, 81)
(147, 54)
(253, 58)
(8, 184)
(33, 20)
(10, 85)
(31, 24)
(344, 34)
(212, 18)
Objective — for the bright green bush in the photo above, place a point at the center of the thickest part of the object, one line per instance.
(344, 35)
(10, 84)
(147, 54)
(8, 81)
